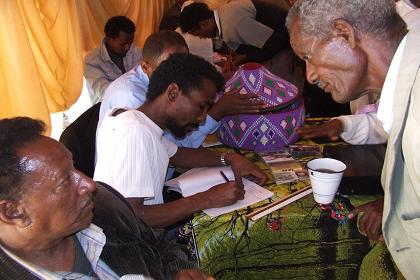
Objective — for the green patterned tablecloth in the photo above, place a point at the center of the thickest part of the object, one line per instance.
(301, 241)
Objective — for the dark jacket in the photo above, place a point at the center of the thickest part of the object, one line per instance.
(131, 246)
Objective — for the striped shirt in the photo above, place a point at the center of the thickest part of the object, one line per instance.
(92, 240)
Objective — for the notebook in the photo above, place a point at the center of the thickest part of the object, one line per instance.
(201, 179)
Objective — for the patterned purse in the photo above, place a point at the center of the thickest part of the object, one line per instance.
(274, 127)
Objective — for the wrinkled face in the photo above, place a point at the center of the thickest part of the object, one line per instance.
(332, 64)
(121, 44)
(57, 197)
(191, 109)
(207, 29)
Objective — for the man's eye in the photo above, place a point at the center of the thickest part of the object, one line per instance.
(62, 186)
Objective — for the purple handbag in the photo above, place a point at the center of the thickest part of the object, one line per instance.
(274, 127)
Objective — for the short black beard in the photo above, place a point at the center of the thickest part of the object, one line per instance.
(176, 129)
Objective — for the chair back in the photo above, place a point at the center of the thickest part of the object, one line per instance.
(80, 138)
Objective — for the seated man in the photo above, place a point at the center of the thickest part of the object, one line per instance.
(129, 90)
(237, 24)
(46, 211)
(133, 155)
(112, 58)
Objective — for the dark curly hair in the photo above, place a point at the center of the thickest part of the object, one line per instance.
(192, 15)
(119, 23)
(14, 133)
(187, 71)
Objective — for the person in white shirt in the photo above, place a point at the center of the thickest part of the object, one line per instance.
(129, 90)
(116, 55)
(133, 155)
(252, 30)
(351, 47)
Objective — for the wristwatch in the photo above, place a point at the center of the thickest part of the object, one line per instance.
(223, 158)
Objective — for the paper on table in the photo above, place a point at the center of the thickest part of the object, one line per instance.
(201, 179)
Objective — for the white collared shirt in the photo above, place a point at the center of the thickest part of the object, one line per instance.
(133, 156)
(388, 90)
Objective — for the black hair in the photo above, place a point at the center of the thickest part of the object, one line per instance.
(187, 71)
(159, 41)
(119, 23)
(192, 15)
(14, 133)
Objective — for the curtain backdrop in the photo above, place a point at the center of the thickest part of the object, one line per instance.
(42, 44)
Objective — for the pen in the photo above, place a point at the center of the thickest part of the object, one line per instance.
(224, 176)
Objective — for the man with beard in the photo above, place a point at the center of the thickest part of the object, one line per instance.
(351, 48)
(133, 155)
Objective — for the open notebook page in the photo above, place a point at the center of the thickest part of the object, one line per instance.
(201, 179)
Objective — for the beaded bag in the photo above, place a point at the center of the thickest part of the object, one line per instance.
(272, 128)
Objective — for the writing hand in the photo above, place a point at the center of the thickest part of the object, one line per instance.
(224, 194)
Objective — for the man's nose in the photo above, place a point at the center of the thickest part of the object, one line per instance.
(311, 74)
(86, 184)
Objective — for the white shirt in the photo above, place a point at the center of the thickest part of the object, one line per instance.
(133, 156)
(202, 47)
(387, 95)
(128, 91)
(238, 25)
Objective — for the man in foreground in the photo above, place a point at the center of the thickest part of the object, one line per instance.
(46, 211)
(133, 155)
(351, 48)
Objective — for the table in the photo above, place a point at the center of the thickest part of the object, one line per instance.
(299, 241)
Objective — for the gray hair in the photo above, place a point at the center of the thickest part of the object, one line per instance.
(377, 17)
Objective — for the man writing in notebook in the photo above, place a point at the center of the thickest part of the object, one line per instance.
(133, 155)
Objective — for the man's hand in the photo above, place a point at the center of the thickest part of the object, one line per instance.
(331, 129)
(189, 274)
(370, 224)
(232, 103)
(243, 167)
(224, 194)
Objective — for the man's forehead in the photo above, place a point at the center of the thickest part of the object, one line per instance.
(43, 150)
(302, 44)
(124, 36)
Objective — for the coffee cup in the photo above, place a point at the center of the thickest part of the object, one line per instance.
(325, 175)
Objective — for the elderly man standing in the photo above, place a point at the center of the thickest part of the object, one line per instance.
(46, 211)
(350, 48)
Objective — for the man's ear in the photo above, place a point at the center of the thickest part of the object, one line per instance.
(172, 92)
(345, 30)
(13, 214)
(146, 67)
